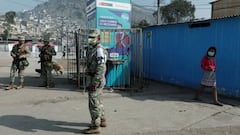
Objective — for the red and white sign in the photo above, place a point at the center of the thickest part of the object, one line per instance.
(113, 5)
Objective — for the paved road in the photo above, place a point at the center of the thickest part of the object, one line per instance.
(159, 109)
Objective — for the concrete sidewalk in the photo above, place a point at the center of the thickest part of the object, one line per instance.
(159, 109)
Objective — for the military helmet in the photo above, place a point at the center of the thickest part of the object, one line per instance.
(92, 41)
(46, 39)
(21, 38)
(94, 33)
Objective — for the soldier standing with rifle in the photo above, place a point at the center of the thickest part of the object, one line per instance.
(46, 54)
(96, 69)
(19, 54)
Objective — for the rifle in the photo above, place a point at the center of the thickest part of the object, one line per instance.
(16, 60)
(45, 56)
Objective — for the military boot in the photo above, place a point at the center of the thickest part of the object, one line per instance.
(92, 130)
(20, 86)
(51, 84)
(103, 123)
(10, 86)
(44, 84)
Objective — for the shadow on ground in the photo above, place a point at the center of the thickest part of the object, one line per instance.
(168, 92)
(153, 91)
(31, 124)
(61, 83)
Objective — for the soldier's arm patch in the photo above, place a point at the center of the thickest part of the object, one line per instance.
(101, 56)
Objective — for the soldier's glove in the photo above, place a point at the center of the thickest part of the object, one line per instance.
(14, 55)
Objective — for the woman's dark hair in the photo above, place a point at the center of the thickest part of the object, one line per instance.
(212, 48)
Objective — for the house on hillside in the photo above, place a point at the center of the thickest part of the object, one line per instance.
(225, 8)
(2, 27)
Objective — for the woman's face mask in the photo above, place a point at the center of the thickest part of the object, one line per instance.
(211, 53)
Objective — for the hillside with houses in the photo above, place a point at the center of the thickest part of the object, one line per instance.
(58, 16)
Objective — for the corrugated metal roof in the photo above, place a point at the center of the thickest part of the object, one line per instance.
(223, 17)
(214, 1)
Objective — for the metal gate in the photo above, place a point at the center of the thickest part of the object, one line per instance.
(124, 65)
(76, 58)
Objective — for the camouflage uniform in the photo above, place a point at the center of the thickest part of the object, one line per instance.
(96, 69)
(45, 55)
(19, 53)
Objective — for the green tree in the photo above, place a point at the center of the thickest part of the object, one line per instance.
(10, 17)
(142, 23)
(178, 11)
(6, 34)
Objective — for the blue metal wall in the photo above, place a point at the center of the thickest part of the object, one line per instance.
(172, 53)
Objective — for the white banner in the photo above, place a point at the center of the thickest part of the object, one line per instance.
(113, 5)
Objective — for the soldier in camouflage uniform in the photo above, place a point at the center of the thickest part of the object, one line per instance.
(19, 54)
(96, 69)
(46, 54)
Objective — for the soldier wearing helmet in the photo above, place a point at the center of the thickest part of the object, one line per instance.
(19, 54)
(46, 54)
(96, 69)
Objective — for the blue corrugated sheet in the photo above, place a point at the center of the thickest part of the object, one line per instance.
(173, 53)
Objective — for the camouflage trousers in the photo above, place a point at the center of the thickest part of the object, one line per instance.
(46, 71)
(13, 71)
(96, 107)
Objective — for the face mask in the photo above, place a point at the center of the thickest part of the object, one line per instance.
(92, 41)
(20, 44)
(45, 42)
(21, 41)
(211, 54)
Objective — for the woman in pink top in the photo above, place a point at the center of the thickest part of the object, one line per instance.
(208, 65)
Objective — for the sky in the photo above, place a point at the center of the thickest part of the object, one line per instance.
(18, 5)
(203, 8)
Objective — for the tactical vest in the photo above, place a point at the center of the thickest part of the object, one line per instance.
(93, 60)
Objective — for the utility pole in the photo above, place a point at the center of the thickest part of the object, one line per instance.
(158, 12)
(62, 33)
